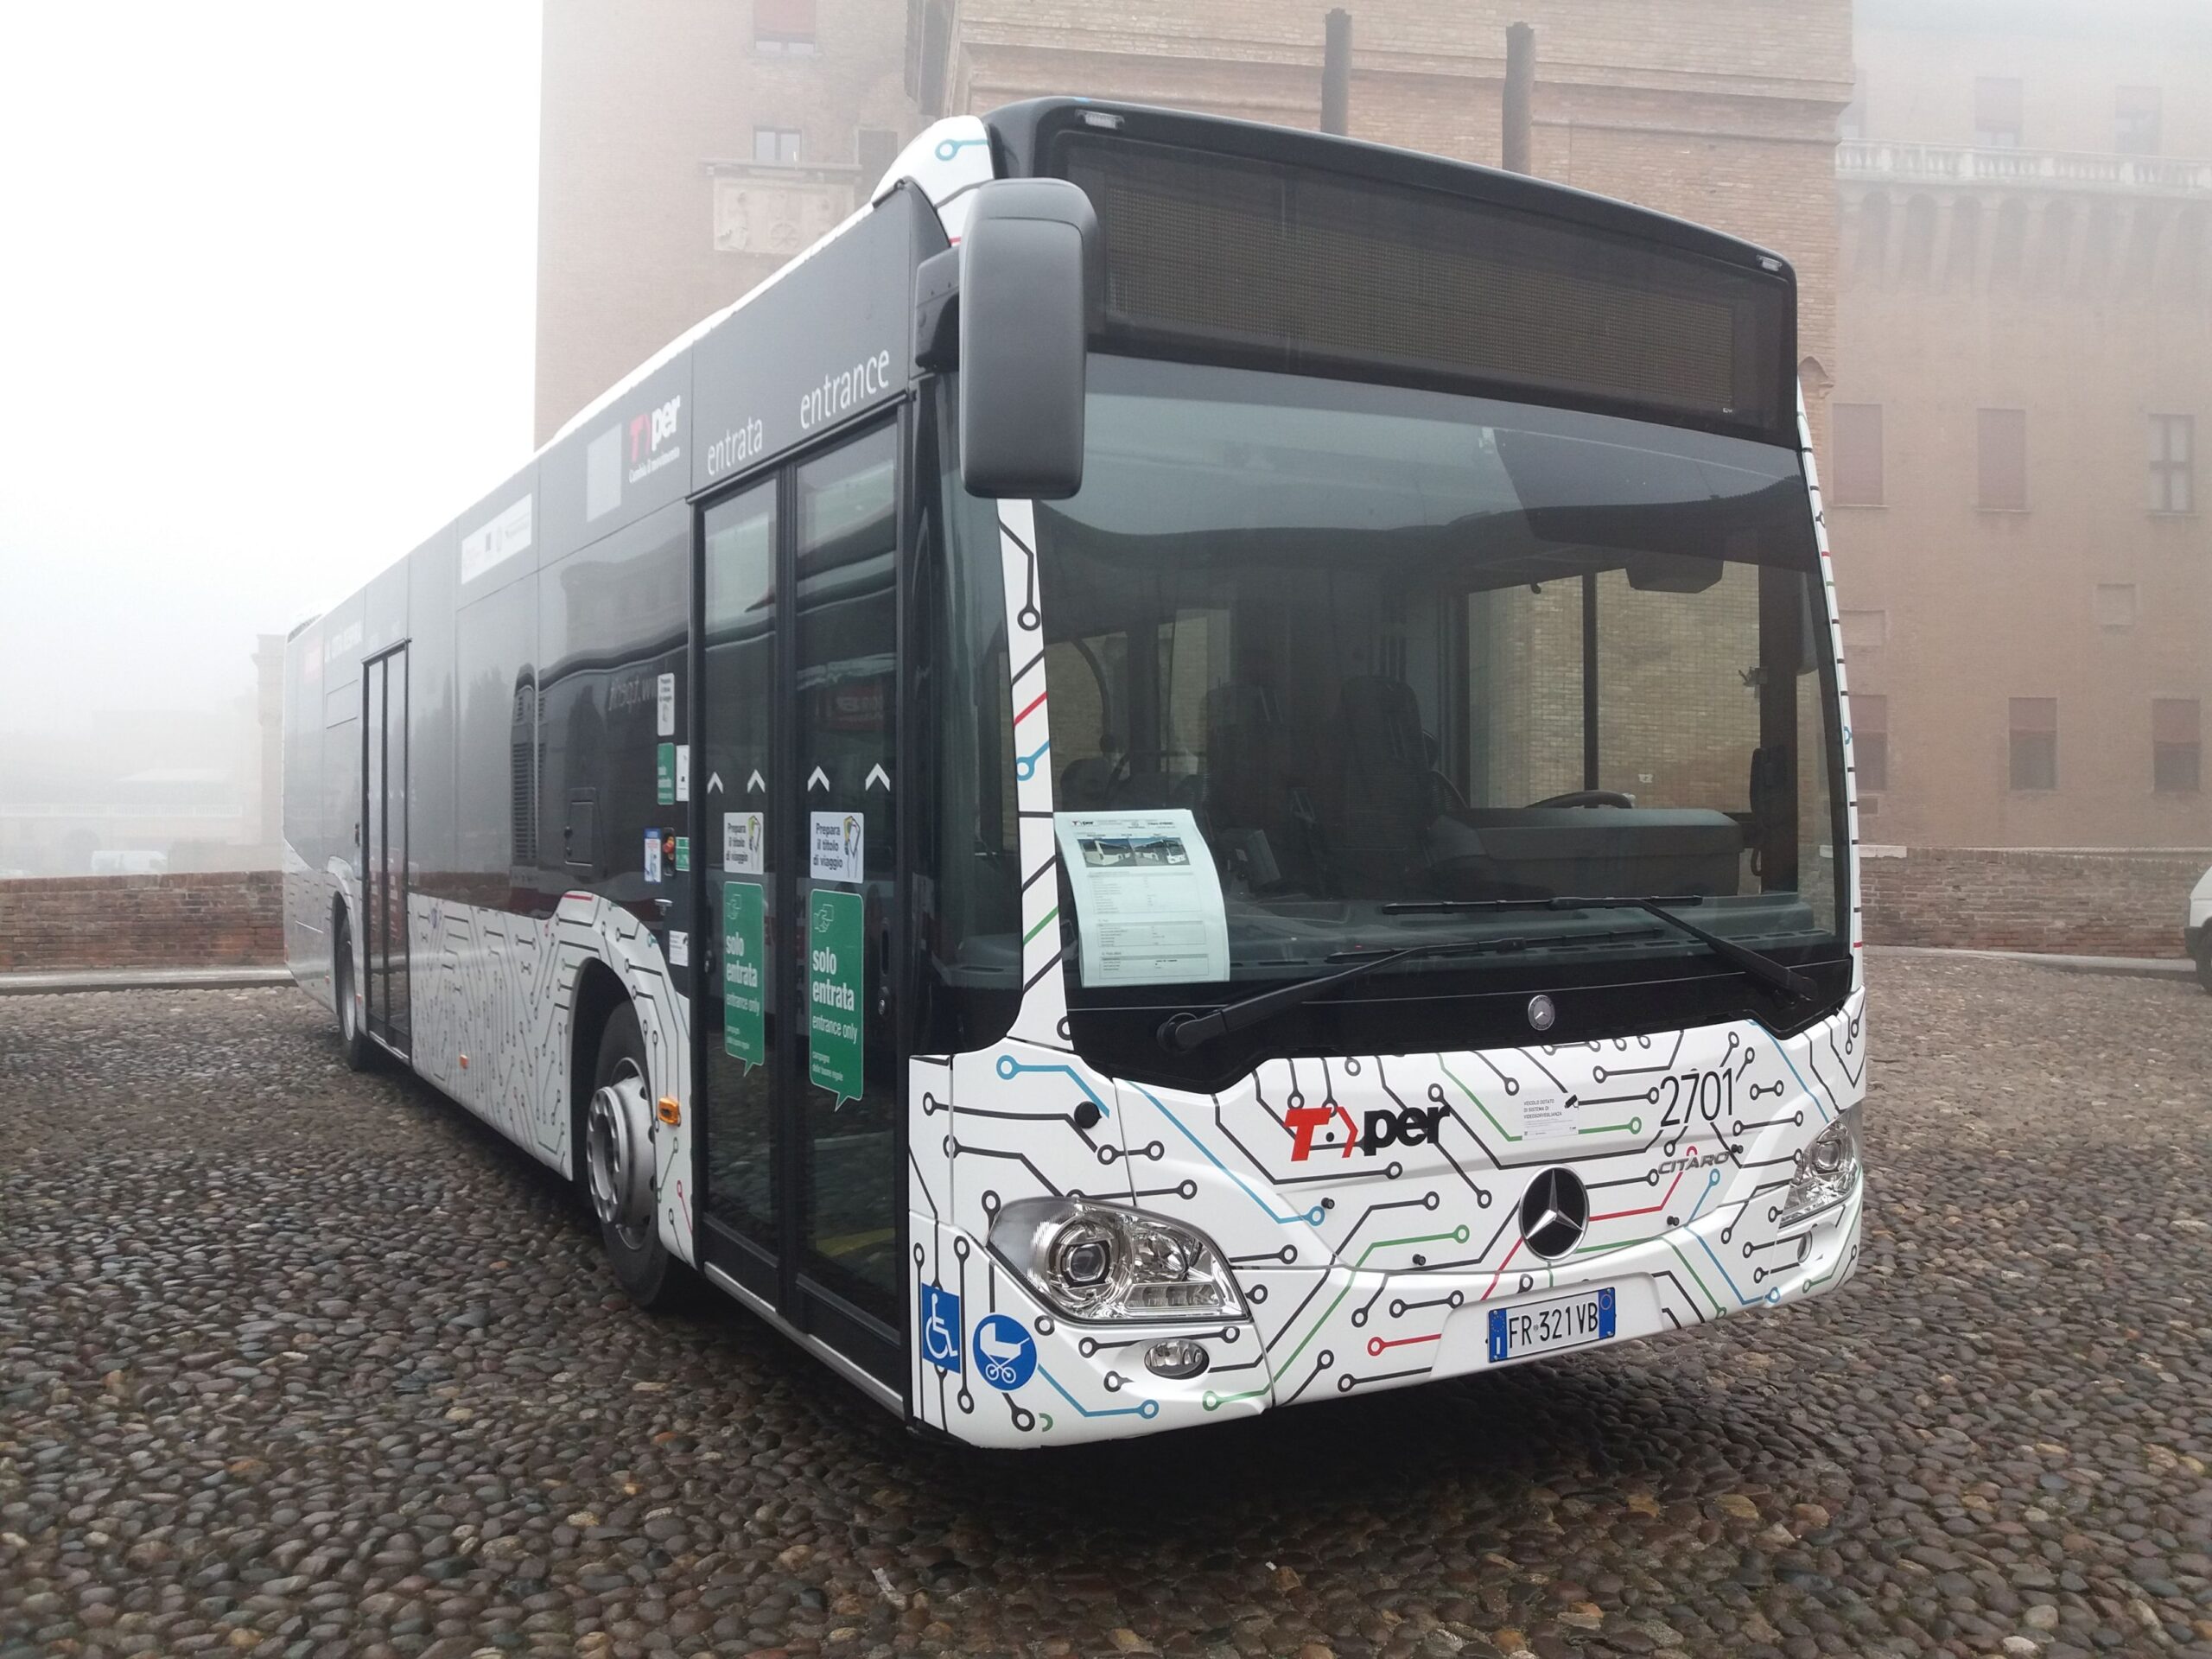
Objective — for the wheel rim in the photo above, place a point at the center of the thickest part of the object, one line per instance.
(346, 1013)
(618, 1154)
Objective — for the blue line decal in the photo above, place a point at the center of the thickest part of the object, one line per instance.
(1144, 1408)
(1008, 1068)
(1312, 1217)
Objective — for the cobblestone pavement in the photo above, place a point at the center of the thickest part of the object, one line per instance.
(297, 1363)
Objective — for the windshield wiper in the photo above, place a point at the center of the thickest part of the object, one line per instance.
(1185, 1032)
(1758, 964)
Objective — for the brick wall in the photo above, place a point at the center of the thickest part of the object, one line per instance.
(2099, 904)
(227, 920)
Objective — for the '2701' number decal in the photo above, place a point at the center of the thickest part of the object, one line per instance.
(1709, 1093)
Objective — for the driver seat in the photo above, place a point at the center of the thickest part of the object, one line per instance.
(1387, 796)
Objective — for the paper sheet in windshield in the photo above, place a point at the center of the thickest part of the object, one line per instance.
(1146, 896)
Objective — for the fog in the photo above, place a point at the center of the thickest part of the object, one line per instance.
(288, 288)
(265, 317)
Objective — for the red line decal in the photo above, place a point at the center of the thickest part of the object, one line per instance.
(1502, 1266)
(1032, 708)
(1616, 1214)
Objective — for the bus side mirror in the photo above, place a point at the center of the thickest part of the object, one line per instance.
(1029, 279)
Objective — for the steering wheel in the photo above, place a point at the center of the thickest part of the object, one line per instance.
(1587, 798)
(1124, 768)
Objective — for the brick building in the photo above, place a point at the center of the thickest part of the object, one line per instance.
(689, 149)
(1713, 109)
(2025, 373)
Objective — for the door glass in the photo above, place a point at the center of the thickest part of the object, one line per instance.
(847, 636)
(372, 878)
(393, 851)
(737, 864)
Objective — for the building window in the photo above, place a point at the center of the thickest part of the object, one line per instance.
(1997, 112)
(2176, 750)
(1870, 741)
(2115, 604)
(2136, 119)
(775, 144)
(2173, 463)
(2035, 742)
(1857, 455)
(876, 148)
(1865, 631)
(785, 26)
(2004, 434)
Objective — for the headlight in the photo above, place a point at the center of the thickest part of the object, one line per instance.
(1106, 1262)
(1828, 1172)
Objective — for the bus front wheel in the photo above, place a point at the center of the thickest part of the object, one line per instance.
(617, 1167)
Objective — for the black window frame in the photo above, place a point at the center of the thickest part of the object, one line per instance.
(2173, 478)
(2033, 749)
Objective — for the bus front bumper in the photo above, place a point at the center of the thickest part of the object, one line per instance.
(1316, 1334)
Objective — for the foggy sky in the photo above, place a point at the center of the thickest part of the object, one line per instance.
(267, 273)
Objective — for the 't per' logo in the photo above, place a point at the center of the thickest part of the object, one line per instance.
(1410, 1126)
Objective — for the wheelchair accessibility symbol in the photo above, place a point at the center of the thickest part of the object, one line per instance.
(941, 1327)
(1005, 1353)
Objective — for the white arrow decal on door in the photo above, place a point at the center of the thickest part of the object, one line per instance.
(877, 775)
(756, 784)
(713, 783)
(817, 779)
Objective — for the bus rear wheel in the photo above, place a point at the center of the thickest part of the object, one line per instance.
(2204, 968)
(360, 1054)
(618, 1168)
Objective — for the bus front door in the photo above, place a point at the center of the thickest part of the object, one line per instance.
(802, 1160)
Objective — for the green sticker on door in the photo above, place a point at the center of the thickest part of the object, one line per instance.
(835, 983)
(744, 1032)
(664, 774)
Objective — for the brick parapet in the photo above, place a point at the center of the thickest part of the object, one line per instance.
(222, 920)
(2098, 904)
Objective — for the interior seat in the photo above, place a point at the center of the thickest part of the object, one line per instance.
(1386, 795)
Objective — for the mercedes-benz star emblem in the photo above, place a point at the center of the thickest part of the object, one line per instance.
(1541, 1014)
(1555, 1213)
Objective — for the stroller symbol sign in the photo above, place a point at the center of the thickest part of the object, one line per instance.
(1005, 1353)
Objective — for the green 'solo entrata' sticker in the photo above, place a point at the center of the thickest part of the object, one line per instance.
(834, 980)
(683, 854)
(664, 773)
(744, 1032)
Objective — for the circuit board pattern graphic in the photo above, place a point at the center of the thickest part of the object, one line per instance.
(498, 988)
(1364, 1266)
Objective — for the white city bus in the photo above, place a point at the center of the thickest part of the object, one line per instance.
(1191, 768)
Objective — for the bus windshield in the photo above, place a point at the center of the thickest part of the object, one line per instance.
(1401, 652)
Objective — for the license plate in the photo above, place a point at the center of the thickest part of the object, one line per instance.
(1546, 1327)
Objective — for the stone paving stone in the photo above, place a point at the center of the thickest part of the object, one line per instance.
(297, 1363)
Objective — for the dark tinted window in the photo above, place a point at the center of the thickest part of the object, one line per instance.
(2035, 742)
(1295, 269)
